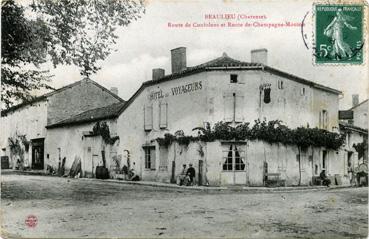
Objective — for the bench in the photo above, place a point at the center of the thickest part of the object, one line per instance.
(273, 180)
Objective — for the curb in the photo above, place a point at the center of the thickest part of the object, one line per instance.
(191, 188)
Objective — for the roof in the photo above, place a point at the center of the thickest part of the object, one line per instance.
(107, 112)
(361, 103)
(226, 63)
(45, 96)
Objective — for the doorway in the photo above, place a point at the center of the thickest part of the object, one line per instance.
(37, 154)
(233, 165)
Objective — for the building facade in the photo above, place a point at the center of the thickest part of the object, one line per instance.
(24, 126)
(231, 91)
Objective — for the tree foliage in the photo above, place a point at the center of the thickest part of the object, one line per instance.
(71, 32)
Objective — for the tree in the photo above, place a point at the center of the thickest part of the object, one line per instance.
(70, 32)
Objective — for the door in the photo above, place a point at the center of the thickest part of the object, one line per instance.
(38, 154)
(234, 165)
(201, 172)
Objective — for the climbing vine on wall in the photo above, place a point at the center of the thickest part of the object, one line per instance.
(18, 145)
(102, 128)
(270, 131)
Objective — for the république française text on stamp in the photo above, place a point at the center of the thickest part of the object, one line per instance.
(338, 34)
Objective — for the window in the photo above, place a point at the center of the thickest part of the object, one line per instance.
(228, 107)
(302, 91)
(234, 159)
(323, 119)
(233, 107)
(233, 78)
(239, 106)
(163, 122)
(149, 158)
(148, 117)
(163, 160)
(267, 95)
(280, 84)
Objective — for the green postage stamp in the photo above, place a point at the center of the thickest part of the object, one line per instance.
(338, 34)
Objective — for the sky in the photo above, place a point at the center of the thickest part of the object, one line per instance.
(146, 43)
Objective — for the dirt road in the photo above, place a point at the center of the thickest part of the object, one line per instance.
(90, 208)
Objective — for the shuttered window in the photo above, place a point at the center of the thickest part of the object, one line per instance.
(148, 117)
(163, 122)
(153, 158)
(239, 107)
(228, 107)
(323, 119)
(233, 107)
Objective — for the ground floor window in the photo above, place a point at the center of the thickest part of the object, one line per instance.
(149, 158)
(234, 159)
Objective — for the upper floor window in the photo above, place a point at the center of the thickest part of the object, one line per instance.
(233, 107)
(234, 78)
(302, 91)
(323, 119)
(163, 115)
(267, 95)
(280, 84)
(148, 117)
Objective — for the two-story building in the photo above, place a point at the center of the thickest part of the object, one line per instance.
(232, 91)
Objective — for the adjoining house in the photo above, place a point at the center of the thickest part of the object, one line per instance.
(354, 124)
(23, 136)
(77, 137)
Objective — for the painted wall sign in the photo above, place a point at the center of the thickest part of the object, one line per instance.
(178, 90)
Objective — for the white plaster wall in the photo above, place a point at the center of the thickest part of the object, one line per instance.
(30, 121)
(361, 115)
(72, 144)
(189, 110)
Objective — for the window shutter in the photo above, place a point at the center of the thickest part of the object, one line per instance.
(228, 107)
(148, 117)
(163, 123)
(153, 158)
(239, 108)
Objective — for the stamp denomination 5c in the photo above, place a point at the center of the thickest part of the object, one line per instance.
(338, 34)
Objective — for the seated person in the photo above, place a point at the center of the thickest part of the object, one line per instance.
(324, 178)
(191, 174)
(133, 175)
(181, 176)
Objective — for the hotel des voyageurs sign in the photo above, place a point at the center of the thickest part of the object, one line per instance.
(177, 90)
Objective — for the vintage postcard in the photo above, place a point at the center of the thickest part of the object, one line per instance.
(184, 119)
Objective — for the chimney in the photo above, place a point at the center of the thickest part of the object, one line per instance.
(259, 56)
(114, 90)
(157, 73)
(178, 59)
(355, 100)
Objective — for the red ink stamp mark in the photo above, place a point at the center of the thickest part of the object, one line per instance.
(31, 221)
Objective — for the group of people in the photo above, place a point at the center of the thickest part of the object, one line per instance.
(187, 176)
